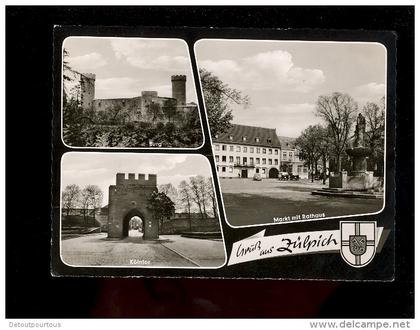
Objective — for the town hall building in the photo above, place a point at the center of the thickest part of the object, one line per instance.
(244, 151)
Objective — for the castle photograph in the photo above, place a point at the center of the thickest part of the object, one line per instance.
(298, 128)
(128, 93)
(139, 210)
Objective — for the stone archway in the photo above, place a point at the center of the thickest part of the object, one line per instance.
(273, 173)
(128, 198)
(127, 218)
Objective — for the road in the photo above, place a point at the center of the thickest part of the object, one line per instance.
(250, 202)
(133, 251)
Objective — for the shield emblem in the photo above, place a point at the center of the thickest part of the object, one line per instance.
(358, 242)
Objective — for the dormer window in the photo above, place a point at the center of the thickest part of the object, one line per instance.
(268, 140)
(244, 138)
(216, 136)
(230, 137)
(257, 139)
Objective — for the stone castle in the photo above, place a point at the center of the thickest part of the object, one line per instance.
(148, 107)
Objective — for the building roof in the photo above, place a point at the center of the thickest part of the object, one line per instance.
(266, 137)
(287, 142)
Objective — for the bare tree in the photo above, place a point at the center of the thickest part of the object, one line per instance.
(169, 190)
(197, 186)
(338, 111)
(212, 196)
(308, 143)
(185, 198)
(71, 195)
(375, 132)
(91, 198)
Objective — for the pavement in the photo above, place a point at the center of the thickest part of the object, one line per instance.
(133, 251)
(249, 202)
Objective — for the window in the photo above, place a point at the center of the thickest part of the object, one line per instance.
(245, 149)
(223, 158)
(270, 161)
(216, 147)
(230, 137)
(244, 160)
(251, 150)
(224, 147)
(284, 155)
(216, 136)
(230, 159)
(251, 160)
(230, 148)
(263, 171)
(238, 149)
(270, 151)
(264, 151)
(244, 138)
(257, 170)
(217, 158)
(238, 160)
(290, 154)
(257, 139)
(223, 169)
(258, 150)
(217, 168)
(257, 160)
(276, 161)
(264, 161)
(276, 151)
(268, 140)
(230, 169)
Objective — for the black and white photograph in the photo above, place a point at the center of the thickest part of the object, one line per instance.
(139, 210)
(128, 93)
(297, 127)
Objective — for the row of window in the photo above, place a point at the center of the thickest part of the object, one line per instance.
(245, 138)
(245, 149)
(245, 160)
(230, 169)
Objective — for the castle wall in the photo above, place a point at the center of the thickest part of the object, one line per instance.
(136, 109)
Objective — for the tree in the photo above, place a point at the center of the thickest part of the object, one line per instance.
(375, 133)
(309, 145)
(91, 199)
(338, 111)
(169, 190)
(71, 195)
(218, 98)
(197, 186)
(185, 199)
(212, 196)
(161, 206)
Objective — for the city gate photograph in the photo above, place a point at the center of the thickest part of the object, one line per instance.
(298, 128)
(139, 210)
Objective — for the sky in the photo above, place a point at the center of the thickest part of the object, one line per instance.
(126, 66)
(101, 168)
(284, 79)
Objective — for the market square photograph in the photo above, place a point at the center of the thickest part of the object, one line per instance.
(297, 127)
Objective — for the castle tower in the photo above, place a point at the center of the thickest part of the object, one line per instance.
(178, 88)
(87, 90)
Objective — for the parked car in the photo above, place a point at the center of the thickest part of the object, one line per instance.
(294, 177)
(283, 176)
(257, 177)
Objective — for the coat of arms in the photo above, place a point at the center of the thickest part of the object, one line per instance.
(358, 242)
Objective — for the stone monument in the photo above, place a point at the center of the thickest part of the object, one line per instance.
(359, 177)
